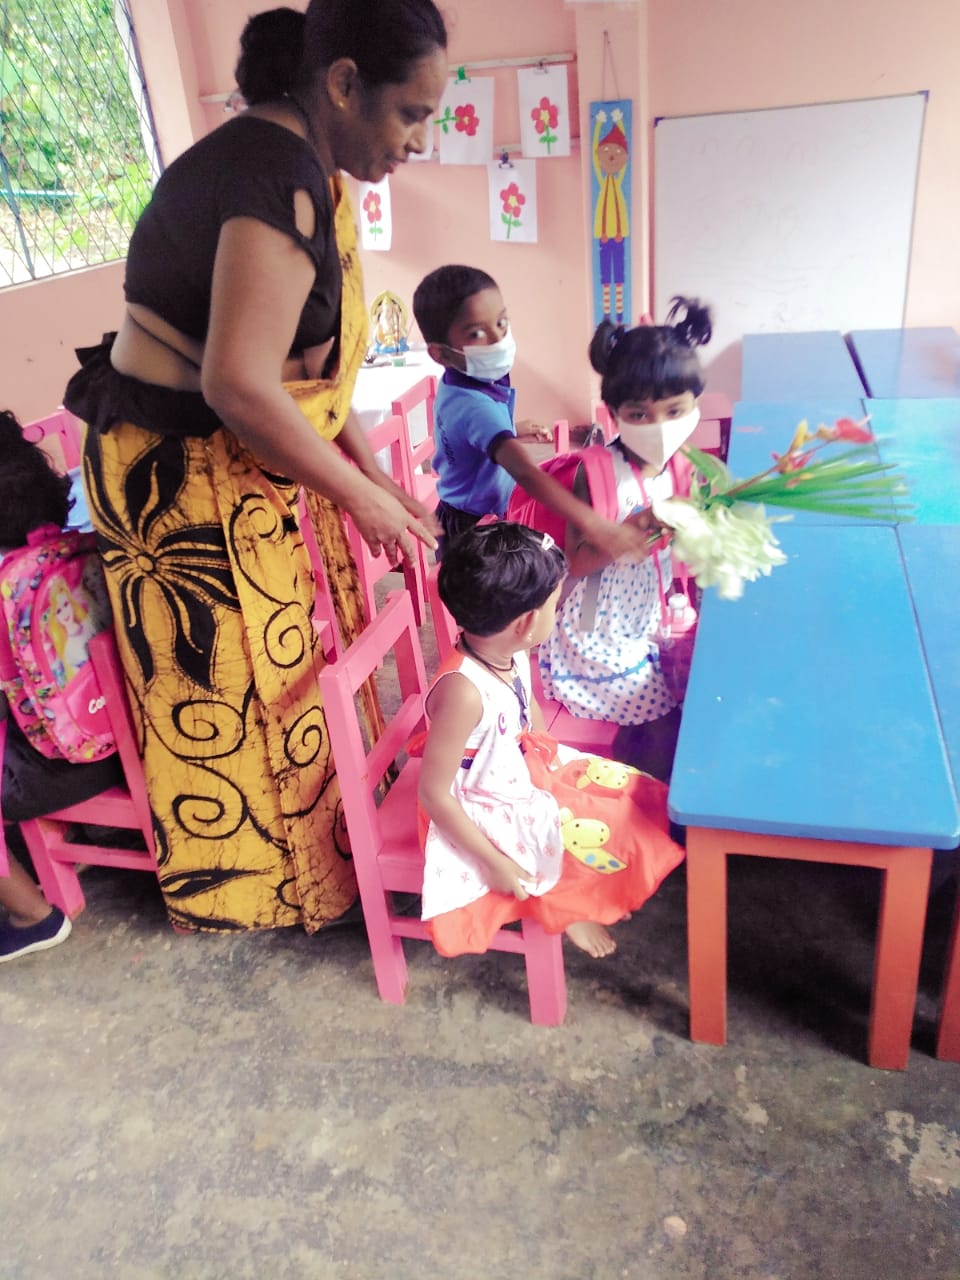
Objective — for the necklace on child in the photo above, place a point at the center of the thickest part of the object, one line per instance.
(516, 684)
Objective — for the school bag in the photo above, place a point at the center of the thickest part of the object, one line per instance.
(53, 600)
(601, 484)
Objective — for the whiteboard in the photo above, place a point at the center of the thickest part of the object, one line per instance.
(787, 219)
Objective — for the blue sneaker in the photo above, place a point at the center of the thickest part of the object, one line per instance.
(35, 937)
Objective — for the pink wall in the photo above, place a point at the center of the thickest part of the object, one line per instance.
(681, 57)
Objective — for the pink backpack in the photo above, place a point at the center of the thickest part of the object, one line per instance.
(601, 485)
(595, 460)
(53, 600)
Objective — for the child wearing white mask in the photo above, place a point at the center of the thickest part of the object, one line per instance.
(601, 659)
(462, 317)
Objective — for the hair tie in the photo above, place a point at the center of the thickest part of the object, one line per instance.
(547, 542)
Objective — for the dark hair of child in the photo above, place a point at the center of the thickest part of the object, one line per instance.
(440, 295)
(652, 362)
(271, 49)
(493, 573)
(32, 493)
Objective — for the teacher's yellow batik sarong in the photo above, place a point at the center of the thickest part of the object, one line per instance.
(212, 592)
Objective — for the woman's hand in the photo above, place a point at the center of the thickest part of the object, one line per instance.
(386, 524)
(412, 505)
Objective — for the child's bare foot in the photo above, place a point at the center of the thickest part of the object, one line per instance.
(594, 939)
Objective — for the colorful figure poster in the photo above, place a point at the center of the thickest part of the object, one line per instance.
(376, 220)
(610, 124)
(544, 111)
(466, 121)
(513, 201)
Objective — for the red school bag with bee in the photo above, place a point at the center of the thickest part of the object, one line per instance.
(53, 600)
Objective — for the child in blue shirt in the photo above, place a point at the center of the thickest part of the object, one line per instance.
(479, 458)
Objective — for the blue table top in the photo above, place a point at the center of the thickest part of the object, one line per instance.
(795, 366)
(759, 430)
(809, 710)
(922, 438)
(931, 554)
(908, 362)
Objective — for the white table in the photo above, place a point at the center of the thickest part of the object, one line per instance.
(379, 385)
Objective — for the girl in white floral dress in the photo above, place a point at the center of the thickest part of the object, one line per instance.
(514, 825)
(602, 658)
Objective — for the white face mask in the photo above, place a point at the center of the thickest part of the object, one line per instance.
(487, 364)
(657, 442)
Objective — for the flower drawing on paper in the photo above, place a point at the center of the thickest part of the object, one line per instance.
(512, 202)
(467, 120)
(446, 120)
(545, 117)
(374, 212)
(722, 532)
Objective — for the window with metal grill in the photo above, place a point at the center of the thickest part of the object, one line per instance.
(78, 154)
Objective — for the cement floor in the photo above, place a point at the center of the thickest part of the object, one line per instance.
(205, 1107)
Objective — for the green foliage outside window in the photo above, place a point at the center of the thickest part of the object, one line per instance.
(77, 155)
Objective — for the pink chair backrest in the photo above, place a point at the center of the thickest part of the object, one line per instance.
(408, 407)
(359, 771)
(106, 663)
(444, 628)
(59, 435)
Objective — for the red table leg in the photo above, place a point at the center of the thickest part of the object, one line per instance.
(707, 933)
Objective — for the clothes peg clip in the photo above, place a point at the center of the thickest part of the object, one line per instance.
(462, 77)
(505, 162)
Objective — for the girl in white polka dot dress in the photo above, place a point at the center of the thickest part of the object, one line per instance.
(602, 659)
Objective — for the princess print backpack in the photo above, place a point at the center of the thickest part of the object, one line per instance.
(53, 600)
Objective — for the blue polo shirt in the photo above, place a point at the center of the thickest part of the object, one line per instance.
(471, 419)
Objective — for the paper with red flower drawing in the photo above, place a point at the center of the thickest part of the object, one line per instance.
(513, 201)
(544, 112)
(465, 121)
(376, 222)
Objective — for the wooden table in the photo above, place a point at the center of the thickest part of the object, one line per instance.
(810, 732)
(792, 366)
(901, 363)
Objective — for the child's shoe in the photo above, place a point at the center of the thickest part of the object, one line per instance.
(35, 937)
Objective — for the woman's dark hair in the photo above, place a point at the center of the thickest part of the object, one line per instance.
(271, 50)
(383, 37)
(652, 362)
(492, 573)
(31, 492)
(440, 295)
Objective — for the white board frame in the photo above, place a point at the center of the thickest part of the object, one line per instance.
(787, 219)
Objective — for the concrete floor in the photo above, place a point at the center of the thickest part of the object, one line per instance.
(205, 1107)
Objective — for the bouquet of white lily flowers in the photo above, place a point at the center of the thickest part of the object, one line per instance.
(722, 532)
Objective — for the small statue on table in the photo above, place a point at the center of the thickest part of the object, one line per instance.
(390, 325)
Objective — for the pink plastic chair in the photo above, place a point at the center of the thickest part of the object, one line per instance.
(324, 616)
(594, 737)
(59, 434)
(54, 856)
(415, 407)
(389, 435)
(419, 399)
(384, 839)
